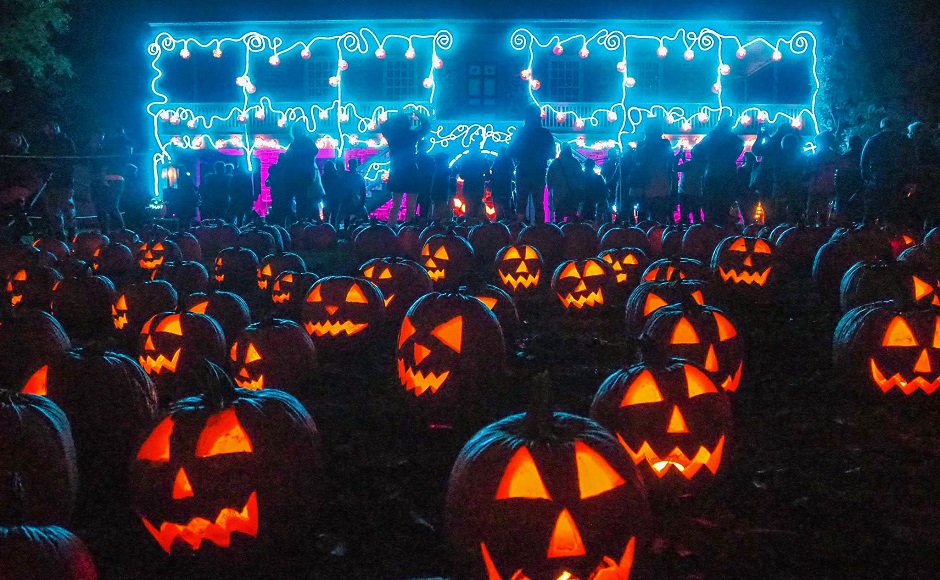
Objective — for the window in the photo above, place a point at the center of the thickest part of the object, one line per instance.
(317, 75)
(565, 80)
(401, 80)
(647, 74)
(481, 84)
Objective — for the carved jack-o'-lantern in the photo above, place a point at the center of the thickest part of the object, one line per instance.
(627, 264)
(274, 264)
(228, 309)
(702, 334)
(170, 343)
(289, 291)
(235, 270)
(584, 285)
(670, 417)
(232, 469)
(519, 269)
(891, 347)
(876, 280)
(649, 297)
(137, 303)
(545, 499)
(273, 354)
(668, 269)
(154, 254)
(340, 312)
(33, 287)
(743, 261)
(446, 257)
(401, 281)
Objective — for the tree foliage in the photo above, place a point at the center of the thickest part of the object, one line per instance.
(28, 29)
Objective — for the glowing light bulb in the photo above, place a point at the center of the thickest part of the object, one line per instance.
(579, 123)
(274, 60)
(371, 126)
(251, 88)
(241, 81)
(689, 54)
(380, 53)
(282, 122)
(670, 118)
(438, 63)
(543, 113)
(797, 123)
(622, 66)
(777, 55)
(686, 126)
(324, 115)
(584, 52)
(259, 114)
(242, 118)
(630, 82)
(410, 53)
(662, 51)
(305, 53)
(762, 116)
(535, 84)
(342, 64)
(343, 117)
(716, 88)
(185, 53)
(428, 83)
(745, 120)
(560, 117)
(703, 117)
(217, 53)
(383, 117)
(353, 139)
(525, 74)
(559, 49)
(724, 69)
(611, 116)
(165, 115)
(175, 120)
(191, 123)
(199, 142)
(741, 52)
(176, 141)
(334, 81)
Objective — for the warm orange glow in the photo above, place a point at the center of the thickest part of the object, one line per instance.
(149, 345)
(288, 278)
(530, 253)
(331, 309)
(921, 288)
(899, 334)
(521, 479)
(421, 353)
(222, 434)
(20, 276)
(200, 308)
(233, 352)
(315, 295)
(698, 297)
(38, 383)
(181, 486)
(653, 303)
(418, 381)
(936, 334)
(699, 383)
(385, 275)
(725, 328)
(157, 445)
(566, 539)
(512, 254)
(761, 247)
(368, 272)
(677, 422)
(643, 390)
(684, 333)
(407, 329)
(593, 269)
(570, 271)
(738, 245)
(582, 287)
(677, 459)
(748, 262)
(631, 260)
(355, 295)
(451, 333)
(923, 363)
(595, 475)
(266, 270)
(229, 521)
(488, 301)
(252, 355)
(441, 254)
(122, 303)
(491, 570)
(711, 361)
(522, 269)
(171, 324)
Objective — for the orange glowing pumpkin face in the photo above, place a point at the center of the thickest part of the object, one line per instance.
(251, 374)
(519, 268)
(119, 312)
(446, 258)
(169, 341)
(925, 291)
(340, 312)
(222, 435)
(280, 292)
(152, 255)
(401, 281)
(584, 284)
(671, 419)
(627, 264)
(743, 261)
(910, 355)
(15, 287)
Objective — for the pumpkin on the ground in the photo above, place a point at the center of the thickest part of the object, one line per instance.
(402, 281)
(273, 354)
(29, 552)
(341, 313)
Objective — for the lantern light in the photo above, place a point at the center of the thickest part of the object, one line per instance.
(724, 69)
(686, 126)
(274, 60)
(191, 123)
(762, 116)
(380, 53)
(543, 113)
(703, 117)
(165, 115)
(185, 53)
(342, 64)
(282, 122)
(535, 84)
(217, 53)
(579, 123)
(670, 118)
(174, 120)
(438, 63)
(630, 82)
(797, 123)
(689, 54)
(259, 114)
(560, 117)
(745, 119)
(324, 115)
(343, 117)
(559, 49)
(525, 74)
(242, 118)
(662, 51)
(410, 53)
(334, 81)
(622, 66)
(251, 88)
(611, 116)
(777, 55)
(716, 88)
(428, 83)
(584, 52)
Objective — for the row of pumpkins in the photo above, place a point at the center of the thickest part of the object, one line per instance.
(669, 417)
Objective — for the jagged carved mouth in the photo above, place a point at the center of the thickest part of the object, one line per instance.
(896, 380)
(592, 299)
(150, 264)
(157, 365)
(744, 277)
(280, 298)
(436, 274)
(16, 299)
(524, 280)
(420, 382)
(219, 532)
(220, 277)
(389, 300)
(732, 382)
(335, 328)
(263, 284)
(677, 459)
(243, 380)
(608, 569)
(120, 321)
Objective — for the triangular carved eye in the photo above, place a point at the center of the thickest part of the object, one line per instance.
(451, 333)
(595, 475)
(407, 330)
(223, 434)
(652, 275)
(593, 269)
(171, 324)
(426, 250)
(159, 247)
(490, 302)
(725, 328)
(684, 333)
(530, 253)
(608, 259)
(921, 288)
(122, 303)
(266, 270)
(521, 479)
(570, 271)
(199, 308)
(631, 260)
(738, 245)
(368, 272)
(512, 254)
(899, 334)
(653, 303)
(936, 334)
(761, 247)
(315, 295)
(698, 382)
(288, 278)
(643, 390)
(355, 295)
(441, 254)
(385, 275)
(698, 297)
(157, 445)
(252, 355)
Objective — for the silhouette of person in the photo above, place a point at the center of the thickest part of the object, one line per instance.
(241, 195)
(425, 174)
(595, 192)
(356, 187)
(651, 176)
(720, 150)
(281, 210)
(532, 147)
(299, 170)
(214, 191)
(402, 131)
(565, 182)
(888, 166)
(443, 186)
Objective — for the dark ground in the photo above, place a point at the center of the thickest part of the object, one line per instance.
(818, 483)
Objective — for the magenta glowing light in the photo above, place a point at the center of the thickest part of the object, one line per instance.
(559, 49)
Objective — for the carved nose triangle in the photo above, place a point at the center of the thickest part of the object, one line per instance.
(421, 353)
(923, 363)
(566, 539)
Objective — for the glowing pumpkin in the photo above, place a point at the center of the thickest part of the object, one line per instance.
(519, 270)
(877, 280)
(289, 291)
(743, 261)
(274, 264)
(154, 254)
(627, 264)
(171, 343)
(649, 297)
(584, 286)
(273, 354)
(667, 269)
(228, 309)
(402, 281)
(33, 287)
(235, 271)
(447, 258)
(342, 312)
(137, 303)
(545, 498)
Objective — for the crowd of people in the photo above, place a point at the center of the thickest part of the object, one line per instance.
(893, 176)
